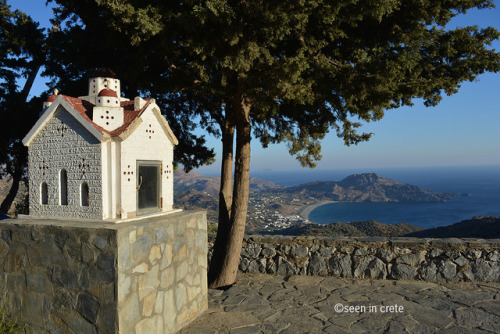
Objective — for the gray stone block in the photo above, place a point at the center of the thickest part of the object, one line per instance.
(412, 259)
(341, 265)
(76, 323)
(448, 270)
(484, 271)
(88, 307)
(327, 251)
(39, 282)
(401, 271)
(268, 252)
(107, 319)
(7, 235)
(447, 243)
(87, 253)
(257, 266)
(4, 249)
(284, 267)
(360, 268)
(301, 251)
(141, 248)
(473, 254)
(251, 251)
(361, 252)
(436, 252)
(32, 307)
(377, 269)
(67, 279)
(493, 256)
(385, 255)
(461, 261)
(428, 272)
(100, 242)
(317, 265)
(271, 267)
(244, 263)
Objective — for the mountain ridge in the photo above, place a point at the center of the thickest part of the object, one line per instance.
(368, 187)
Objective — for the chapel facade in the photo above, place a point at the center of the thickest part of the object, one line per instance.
(100, 156)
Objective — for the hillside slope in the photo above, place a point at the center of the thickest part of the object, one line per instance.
(477, 227)
(369, 228)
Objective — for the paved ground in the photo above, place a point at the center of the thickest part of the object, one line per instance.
(308, 304)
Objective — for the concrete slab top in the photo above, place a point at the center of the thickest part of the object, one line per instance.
(86, 223)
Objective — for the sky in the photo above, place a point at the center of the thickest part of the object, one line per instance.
(463, 130)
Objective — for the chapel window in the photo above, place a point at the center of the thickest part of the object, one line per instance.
(63, 187)
(84, 194)
(44, 194)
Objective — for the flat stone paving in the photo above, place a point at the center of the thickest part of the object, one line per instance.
(310, 304)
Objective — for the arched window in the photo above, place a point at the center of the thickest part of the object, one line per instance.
(63, 187)
(44, 194)
(84, 194)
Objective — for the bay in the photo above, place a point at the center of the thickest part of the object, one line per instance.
(481, 183)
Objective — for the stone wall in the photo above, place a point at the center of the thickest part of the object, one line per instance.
(65, 144)
(436, 260)
(162, 274)
(146, 276)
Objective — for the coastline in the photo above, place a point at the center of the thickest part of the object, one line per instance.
(304, 212)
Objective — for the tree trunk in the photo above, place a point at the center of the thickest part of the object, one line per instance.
(7, 202)
(30, 80)
(225, 195)
(225, 199)
(226, 263)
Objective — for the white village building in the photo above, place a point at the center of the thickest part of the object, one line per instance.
(100, 156)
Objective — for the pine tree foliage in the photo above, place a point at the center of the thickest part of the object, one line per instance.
(84, 43)
(310, 66)
(21, 55)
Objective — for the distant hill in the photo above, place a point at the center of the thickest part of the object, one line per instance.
(355, 229)
(211, 184)
(368, 187)
(193, 199)
(477, 227)
(195, 181)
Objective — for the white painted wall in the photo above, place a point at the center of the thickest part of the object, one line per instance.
(109, 118)
(147, 142)
(99, 83)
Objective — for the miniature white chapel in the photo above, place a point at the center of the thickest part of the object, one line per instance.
(100, 156)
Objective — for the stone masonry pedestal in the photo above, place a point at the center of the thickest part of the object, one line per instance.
(145, 276)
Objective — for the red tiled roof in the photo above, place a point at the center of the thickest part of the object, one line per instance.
(108, 92)
(85, 108)
(51, 98)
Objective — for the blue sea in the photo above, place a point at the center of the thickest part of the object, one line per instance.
(482, 184)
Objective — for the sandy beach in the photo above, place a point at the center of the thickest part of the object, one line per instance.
(304, 212)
